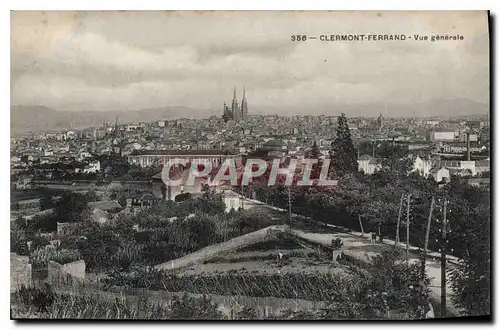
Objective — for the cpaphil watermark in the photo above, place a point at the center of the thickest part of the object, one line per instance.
(254, 168)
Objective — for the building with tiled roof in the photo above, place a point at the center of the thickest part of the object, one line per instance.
(147, 158)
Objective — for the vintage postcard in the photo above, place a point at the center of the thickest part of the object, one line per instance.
(250, 165)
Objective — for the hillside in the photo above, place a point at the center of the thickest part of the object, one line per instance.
(26, 119)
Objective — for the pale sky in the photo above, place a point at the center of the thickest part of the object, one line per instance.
(136, 60)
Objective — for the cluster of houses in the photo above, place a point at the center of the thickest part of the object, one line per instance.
(440, 170)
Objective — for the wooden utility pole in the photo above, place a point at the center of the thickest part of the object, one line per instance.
(242, 198)
(443, 262)
(427, 232)
(424, 257)
(408, 250)
(399, 218)
(361, 226)
(408, 231)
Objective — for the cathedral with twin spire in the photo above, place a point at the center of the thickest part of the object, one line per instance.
(236, 112)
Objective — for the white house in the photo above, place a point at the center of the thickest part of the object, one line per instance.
(93, 167)
(482, 166)
(83, 154)
(468, 165)
(432, 122)
(232, 200)
(99, 216)
(426, 167)
(422, 166)
(440, 174)
(368, 164)
(71, 135)
(443, 135)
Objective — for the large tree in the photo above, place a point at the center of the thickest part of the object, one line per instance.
(471, 279)
(395, 158)
(343, 153)
(314, 153)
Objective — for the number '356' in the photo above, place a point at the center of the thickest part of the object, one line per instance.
(299, 37)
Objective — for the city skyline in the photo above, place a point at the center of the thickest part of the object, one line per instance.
(103, 61)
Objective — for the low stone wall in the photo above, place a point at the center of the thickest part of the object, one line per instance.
(20, 271)
(66, 274)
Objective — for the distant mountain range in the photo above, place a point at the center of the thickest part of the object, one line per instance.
(442, 108)
(26, 119)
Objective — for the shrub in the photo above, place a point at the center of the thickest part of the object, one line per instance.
(40, 299)
(18, 239)
(41, 256)
(189, 308)
(246, 313)
(337, 244)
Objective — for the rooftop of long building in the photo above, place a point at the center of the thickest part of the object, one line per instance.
(204, 152)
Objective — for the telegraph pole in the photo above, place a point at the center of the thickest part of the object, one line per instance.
(399, 218)
(361, 226)
(443, 262)
(408, 251)
(242, 198)
(427, 232)
(424, 257)
(408, 231)
(289, 207)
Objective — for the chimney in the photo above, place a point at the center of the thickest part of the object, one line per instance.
(468, 146)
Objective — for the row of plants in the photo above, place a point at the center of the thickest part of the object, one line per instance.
(43, 303)
(387, 280)
(29, 302)
(41, 256)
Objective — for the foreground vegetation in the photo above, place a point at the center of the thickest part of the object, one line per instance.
(387, 284)
(125, 247)
(375, 202)
(164, 232)
(44, 303)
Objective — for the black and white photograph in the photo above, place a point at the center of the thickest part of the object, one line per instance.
(250, 165)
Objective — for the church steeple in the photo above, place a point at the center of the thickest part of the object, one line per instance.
(116, 126)
(380, 121)
(234, 107)
(244, 106)
(118, 140)
(236, 112)
(226, 115)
